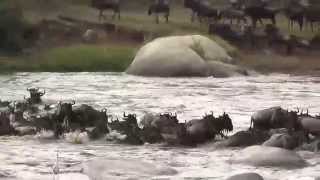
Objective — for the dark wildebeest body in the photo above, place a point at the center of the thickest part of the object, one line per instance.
(295, 15)
(259, 13)
(202, 130)
(103, 5)
(233, 14)
(160, 6)
(202, 10)
(273, 118)
(312, 16)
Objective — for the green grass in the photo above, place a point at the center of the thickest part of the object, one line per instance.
(75, 58)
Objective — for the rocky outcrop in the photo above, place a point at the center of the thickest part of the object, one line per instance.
(193, 55)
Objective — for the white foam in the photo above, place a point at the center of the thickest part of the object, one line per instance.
(77, 137)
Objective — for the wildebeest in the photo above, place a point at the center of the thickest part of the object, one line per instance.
(273, 118)
(128, 127)
(160, 6)
(202, 10)
(312, 16)
(295, 15)
(260, 13)
(202, 130)
(103, 5)
(63, 117)
(233, 14)
(35, 95)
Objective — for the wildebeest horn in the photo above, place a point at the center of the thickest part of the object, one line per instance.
(73, 102)
(43, 93)
(124, 114)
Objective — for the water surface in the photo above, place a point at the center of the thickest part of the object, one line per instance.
(28, 158)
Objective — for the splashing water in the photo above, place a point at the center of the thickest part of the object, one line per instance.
(24, 158)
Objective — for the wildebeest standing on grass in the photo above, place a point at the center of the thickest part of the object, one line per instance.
(295, 12)
(260, 13)
(312, 16)
(233, 14)
(103, 5)
(202, 9)
(158, 7)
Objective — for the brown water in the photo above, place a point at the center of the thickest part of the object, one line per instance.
(30, 158)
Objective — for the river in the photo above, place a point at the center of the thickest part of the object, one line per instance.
(28, 158)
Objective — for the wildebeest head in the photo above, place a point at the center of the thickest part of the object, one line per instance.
(130, 118)
(222, 123)
(65, 109)
(226, 122)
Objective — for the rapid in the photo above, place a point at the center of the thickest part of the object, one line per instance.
(29, 157)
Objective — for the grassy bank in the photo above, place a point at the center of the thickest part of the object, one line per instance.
(74, 58)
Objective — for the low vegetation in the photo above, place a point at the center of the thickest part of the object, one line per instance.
(74, 58)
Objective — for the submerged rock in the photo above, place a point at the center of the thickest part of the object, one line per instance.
(285, 140)
(270, 156)
(243, 139)
(246, 176)
(192, 55)
(100, 169)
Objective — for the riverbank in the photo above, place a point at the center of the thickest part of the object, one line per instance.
(59, 50)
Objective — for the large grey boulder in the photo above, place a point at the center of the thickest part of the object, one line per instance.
(270, 156)
(246, 176)
(192, 55)
(282, 141)
(100, 169)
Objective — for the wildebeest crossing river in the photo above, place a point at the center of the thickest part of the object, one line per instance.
(30, 158)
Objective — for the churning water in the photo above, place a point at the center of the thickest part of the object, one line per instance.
(31, 158)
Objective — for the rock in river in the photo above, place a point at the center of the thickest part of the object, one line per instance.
(270, 156)
(192, 55)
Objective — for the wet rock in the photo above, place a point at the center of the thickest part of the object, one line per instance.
(285, 141)
(270, 156)
(100, 169)
(90, 36)
(246, 176)
(310, 124)
(193, 55)
(243, 139)
(313, 146)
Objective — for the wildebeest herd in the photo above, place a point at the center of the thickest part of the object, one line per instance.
(32, 115)
(238, 11)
